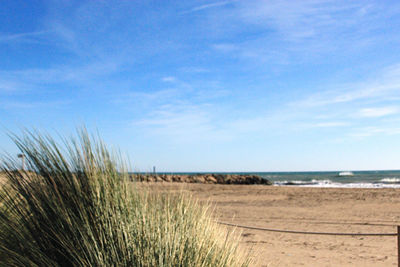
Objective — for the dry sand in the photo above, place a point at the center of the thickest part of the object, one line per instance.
(306, 209)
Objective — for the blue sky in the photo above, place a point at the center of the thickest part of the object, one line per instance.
(209, 85)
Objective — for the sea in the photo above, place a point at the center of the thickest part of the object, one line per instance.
(334, 179)
(338, 179)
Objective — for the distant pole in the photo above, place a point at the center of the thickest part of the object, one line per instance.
(22, 157)
(154, 169)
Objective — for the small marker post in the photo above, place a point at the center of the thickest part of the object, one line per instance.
(22, 157)
(398, 246)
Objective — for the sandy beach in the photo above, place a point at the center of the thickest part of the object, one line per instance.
(343, 210)
(306, 209)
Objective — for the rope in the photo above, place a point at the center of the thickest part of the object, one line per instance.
(307, 233)
(311, 221)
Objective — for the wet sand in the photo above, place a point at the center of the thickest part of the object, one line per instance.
(306, 209)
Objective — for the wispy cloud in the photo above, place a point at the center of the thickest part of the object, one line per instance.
(378, 112)
(28, 105)
(184, 122)
(386, 86)
(207, 6)
(373, 131)
(168, 79)
(302, 31)
(178, 119)
(22, 37)
(155, 98)
(10, 85)
(31, 79)
(194, 70)
(225, 47)
(330, 124)
(343, 96)
(305, 19)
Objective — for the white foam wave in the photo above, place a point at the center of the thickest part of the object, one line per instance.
(390, 180)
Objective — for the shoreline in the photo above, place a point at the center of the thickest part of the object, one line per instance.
(356, 179)
(344, 186)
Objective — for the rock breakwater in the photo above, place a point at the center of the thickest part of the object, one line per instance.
(202, 178)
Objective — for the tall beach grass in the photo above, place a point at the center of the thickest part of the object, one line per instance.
(73, 207)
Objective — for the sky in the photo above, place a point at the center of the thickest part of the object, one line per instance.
(203, 86)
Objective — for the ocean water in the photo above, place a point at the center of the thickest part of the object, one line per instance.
(359, 179)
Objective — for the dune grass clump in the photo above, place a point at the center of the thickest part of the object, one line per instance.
(74, 208)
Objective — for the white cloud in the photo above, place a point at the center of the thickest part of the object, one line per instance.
(23, 105)
(353, 93)
(9, 85)
(194, 70)
(157, 98)
(21, 37)
(330, 124)
(168, 79)
(31, 79)
(372, 131)
(225, 47)
(298, 31)
(207, 6)
(185, 122)
(378, 112)
(312, 19)
(385, 87)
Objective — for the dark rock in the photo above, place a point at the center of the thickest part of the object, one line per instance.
(202, 178)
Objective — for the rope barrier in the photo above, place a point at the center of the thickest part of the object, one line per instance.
(309, 221)
(307, 233)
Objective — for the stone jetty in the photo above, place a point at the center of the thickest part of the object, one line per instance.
(210, 178)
